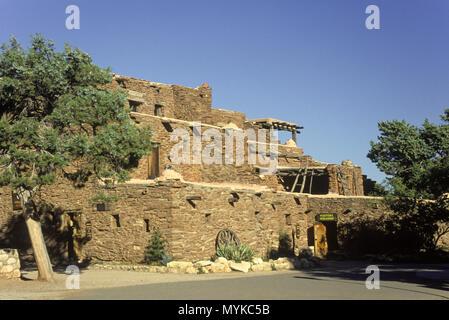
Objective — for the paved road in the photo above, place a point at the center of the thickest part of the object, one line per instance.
(334, 281)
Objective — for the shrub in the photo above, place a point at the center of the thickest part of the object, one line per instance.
(237, 253)
(166, 258)
(285, 244)
(155, 251)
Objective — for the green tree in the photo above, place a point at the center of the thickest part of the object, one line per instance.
(54, 114)
(416, 162)
(415, 159)
(155, 251)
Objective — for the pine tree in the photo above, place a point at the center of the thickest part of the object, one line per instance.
(54, 115)
(155, 251)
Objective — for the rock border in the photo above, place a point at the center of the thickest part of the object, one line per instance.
(220, 265)
(9, 264)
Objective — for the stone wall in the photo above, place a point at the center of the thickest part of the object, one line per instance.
(9, 264)
(122, 233)
(175, 101)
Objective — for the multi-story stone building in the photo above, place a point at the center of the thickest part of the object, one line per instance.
(192, 201)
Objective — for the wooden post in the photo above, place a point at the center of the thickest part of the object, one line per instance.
(304, 177)
(296, 181)
(310, 185)
(294, 135)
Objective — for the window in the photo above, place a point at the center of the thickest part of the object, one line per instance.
(121, 83)
(134, 105)
(116, 220)
(147, 225)
(158, 110)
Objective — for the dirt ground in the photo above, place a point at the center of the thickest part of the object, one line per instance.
(29, 288)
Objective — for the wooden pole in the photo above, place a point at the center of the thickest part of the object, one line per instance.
(296, 181)
(310, 185)
(304, 177)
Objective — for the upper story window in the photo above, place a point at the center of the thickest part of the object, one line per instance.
(133, 105)
(158, 110)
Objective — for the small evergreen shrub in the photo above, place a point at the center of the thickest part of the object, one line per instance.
(285, 244)
(155, 251)
(166, 258)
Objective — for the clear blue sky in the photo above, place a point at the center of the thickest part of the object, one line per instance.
(311, 62)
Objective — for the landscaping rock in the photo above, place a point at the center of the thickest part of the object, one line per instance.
(257, 261)
(242, 266)
(264, 266)
(191, 270)
(221, 260)
(219, 267)
(203, 263)
(178, 266)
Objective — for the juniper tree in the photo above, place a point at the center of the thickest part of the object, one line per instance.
(55, 114)
(416, 162)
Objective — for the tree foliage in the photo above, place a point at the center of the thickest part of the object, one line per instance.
(415, 159)
(416, 162)
(155, 251)
(57, 117)
(54, 114)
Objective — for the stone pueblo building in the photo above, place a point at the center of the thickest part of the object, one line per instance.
(194, 204)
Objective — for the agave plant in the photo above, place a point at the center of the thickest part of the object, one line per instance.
(237, 253)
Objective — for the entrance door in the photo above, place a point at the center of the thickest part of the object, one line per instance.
(320, 239)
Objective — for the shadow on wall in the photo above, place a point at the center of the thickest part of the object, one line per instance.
(387, 239)
(285, 247)
(59, 229)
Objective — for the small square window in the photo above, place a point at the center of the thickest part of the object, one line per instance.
(158, 110)
(134, 105)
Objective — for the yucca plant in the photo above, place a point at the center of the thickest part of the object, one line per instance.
(237, 253)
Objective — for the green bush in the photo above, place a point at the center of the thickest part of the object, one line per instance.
(155, 251)
(285, 244)
(237, 253)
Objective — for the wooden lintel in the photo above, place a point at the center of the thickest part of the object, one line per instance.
(193, 198)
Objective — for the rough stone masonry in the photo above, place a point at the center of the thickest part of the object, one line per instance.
(190, 203)
(9, 264)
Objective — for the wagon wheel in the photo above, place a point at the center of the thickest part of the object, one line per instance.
(226, 237)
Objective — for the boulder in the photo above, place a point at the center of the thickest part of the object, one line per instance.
(241, 267)
(191, 270)
(264, 266)
(305, 264)
(257, 261)
(178, 266)
(202, 263)
(219, 267)
(221, 260)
